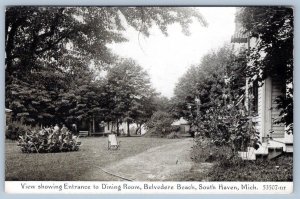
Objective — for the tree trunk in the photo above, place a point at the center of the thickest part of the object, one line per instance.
(117, 127)
(93, 129)
(138, 130)
(128, 130)
(90, 127)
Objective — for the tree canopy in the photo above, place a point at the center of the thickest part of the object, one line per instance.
(39, 37)
(203, 85)
(52, 54)
(129, 92)
(210, 96)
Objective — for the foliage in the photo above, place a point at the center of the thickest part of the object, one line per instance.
(229, 126)
(173, 135)
(86, 99)
(48, 140)
(162, 103)
(38, 34)
(210, 97)
(51, 101)
(206, 151)
(160, 124)
(129, 92)
(278, 169)
(30, 103)
(53, 55)
(203, 84)
(16, 129)
(273, 27)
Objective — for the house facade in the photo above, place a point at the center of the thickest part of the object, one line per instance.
(260, 101)
(184, 125)
(97, 127)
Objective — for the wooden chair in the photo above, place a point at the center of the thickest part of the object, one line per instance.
(113, 143)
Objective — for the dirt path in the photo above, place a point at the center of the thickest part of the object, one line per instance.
(164, 163)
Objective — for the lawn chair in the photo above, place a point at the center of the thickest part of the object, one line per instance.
(113, 143)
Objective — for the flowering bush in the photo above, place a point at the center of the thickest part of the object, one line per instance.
(229, 126)
(48, 140)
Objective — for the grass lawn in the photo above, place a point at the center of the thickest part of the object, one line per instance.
(73, 166)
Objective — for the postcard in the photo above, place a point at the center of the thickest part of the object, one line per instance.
(149, 99)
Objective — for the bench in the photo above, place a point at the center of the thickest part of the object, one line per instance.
(83, 133)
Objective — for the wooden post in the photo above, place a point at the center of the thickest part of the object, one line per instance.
(90, 127)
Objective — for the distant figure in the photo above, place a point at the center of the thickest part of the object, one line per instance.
(74, 129)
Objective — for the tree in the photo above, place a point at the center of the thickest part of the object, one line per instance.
(48, 46)
(130, 93)
(209, 96)
(30, 103)
(203, 85)
(39, 35)
(86, 99)
(53, 100)
(160, 123)
(273, 54)
(185, 93)
(162, 103)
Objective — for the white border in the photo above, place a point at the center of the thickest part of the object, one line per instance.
(108, 187)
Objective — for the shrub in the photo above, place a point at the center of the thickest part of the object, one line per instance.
(173, 135)
(16, 129)
(160, 124)
(48, 140)
(204, 150)
(229, 127)
(228, 168)
(278, 169)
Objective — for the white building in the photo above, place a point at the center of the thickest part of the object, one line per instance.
(261, 99)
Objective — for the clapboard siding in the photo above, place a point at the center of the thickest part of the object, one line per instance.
(277, 135)
(276, 125)
(278, 129)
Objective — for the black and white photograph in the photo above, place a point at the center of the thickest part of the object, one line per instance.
(143, 99)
